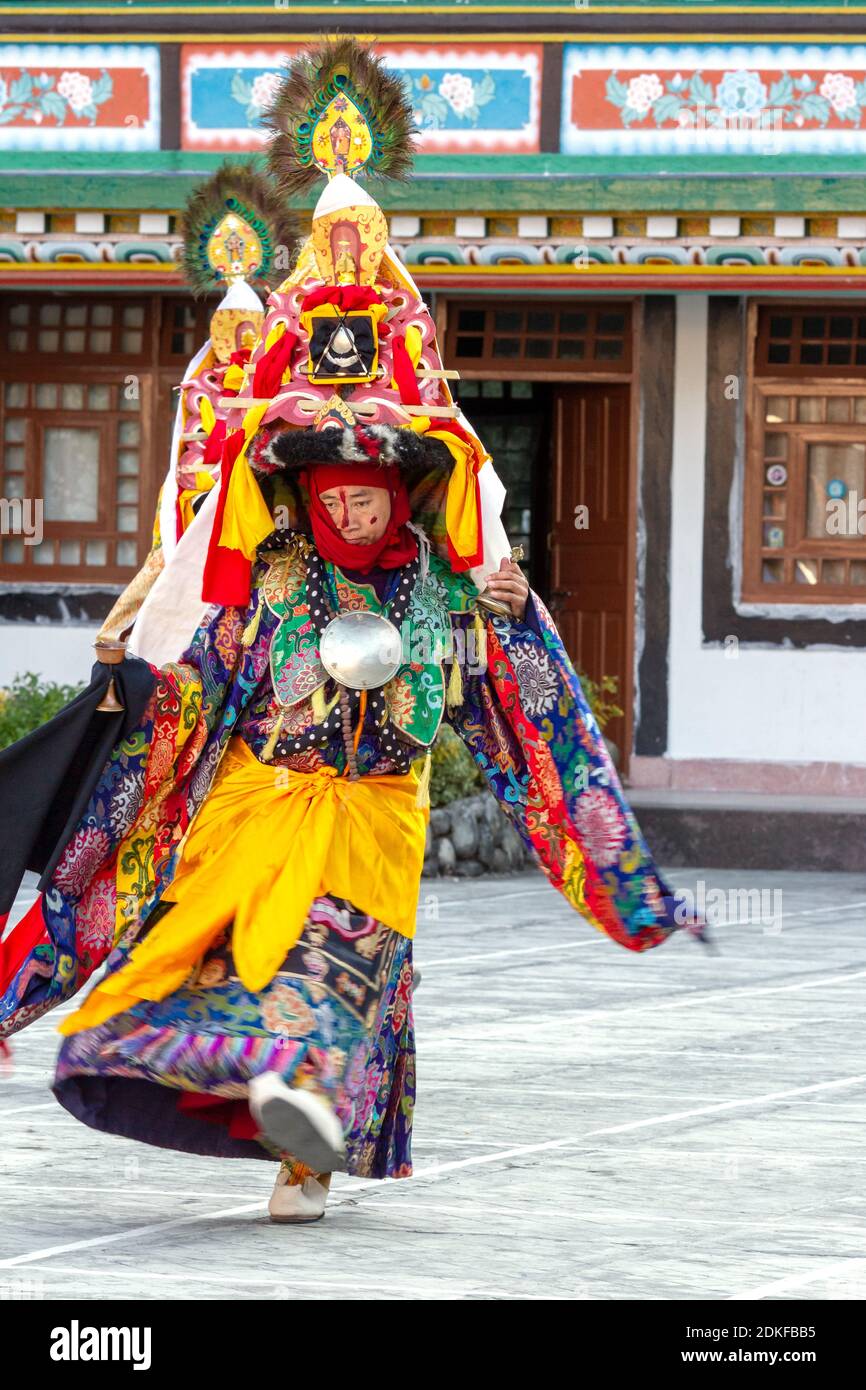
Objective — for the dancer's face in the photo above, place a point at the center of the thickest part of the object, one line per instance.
(360, 514)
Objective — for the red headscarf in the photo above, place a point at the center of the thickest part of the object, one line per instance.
(395, 548)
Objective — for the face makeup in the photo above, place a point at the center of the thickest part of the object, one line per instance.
(361, 515)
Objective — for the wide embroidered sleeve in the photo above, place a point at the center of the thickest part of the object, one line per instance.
(527, 723)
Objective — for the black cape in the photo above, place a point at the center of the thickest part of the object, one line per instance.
(46, 778)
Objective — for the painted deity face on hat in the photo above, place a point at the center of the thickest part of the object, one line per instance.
(234, 222)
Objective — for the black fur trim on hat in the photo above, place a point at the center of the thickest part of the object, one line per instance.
(386, 445)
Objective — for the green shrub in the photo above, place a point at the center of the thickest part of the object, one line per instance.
(597, 692)
(454, 772)
(28, 702)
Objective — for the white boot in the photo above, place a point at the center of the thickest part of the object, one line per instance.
(298, 1202)
(298, 1121)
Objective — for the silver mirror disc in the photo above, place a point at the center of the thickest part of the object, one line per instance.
(362, 650)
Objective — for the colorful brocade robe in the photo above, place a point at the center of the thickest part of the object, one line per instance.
(519, 709)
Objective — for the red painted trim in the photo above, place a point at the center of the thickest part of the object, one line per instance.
(431, 280)
(89, 279)
(661, 284)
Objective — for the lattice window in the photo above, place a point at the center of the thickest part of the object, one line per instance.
(184, 328)
(811, 342)
(72, 480)
(806, 493)
(541, 339)
(83, 441)
(105, 329)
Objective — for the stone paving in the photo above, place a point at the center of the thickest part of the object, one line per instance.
(591, 1124)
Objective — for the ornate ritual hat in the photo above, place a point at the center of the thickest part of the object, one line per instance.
(347, 366)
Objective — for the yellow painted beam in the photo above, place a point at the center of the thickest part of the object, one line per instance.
(522, 36)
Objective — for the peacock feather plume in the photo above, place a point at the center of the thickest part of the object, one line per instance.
(338, 68)
(248, 191)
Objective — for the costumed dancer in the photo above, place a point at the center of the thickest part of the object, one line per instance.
(255, 840)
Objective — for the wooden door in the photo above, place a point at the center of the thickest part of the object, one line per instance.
(590, 571)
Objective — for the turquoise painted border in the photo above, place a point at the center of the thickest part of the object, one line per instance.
(160, 181)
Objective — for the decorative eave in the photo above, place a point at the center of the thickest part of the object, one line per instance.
(659, 279)
(620, 266)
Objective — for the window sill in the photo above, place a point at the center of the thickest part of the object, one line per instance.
(56, 604)
(788, 608)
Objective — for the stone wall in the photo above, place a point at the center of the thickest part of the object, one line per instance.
(472, 837)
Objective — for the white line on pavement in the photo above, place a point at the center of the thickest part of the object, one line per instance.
(426, 964)
(835, 910)
(440, 1170)
(534, 1024)
(23, 1109)
(770, 1098)
(51, 1250)
(500, 897)
(708, 996)
(798, 1281)
(133, 1192)
(278, 1280)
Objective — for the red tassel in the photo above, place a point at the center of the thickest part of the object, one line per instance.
(269, 371)
(226, 572)
(28, 933)
(404, 373)
(346, 297)
(214, 445)
(453, 427)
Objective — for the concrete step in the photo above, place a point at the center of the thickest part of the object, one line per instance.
(752, 830)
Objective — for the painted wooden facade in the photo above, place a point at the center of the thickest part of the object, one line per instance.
(618, 212)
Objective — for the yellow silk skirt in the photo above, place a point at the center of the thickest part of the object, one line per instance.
(265, 843)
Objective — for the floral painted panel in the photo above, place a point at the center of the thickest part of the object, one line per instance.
(482, 100)
(61, 96)
(464, 99)
(225, 91)
(711, 98)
